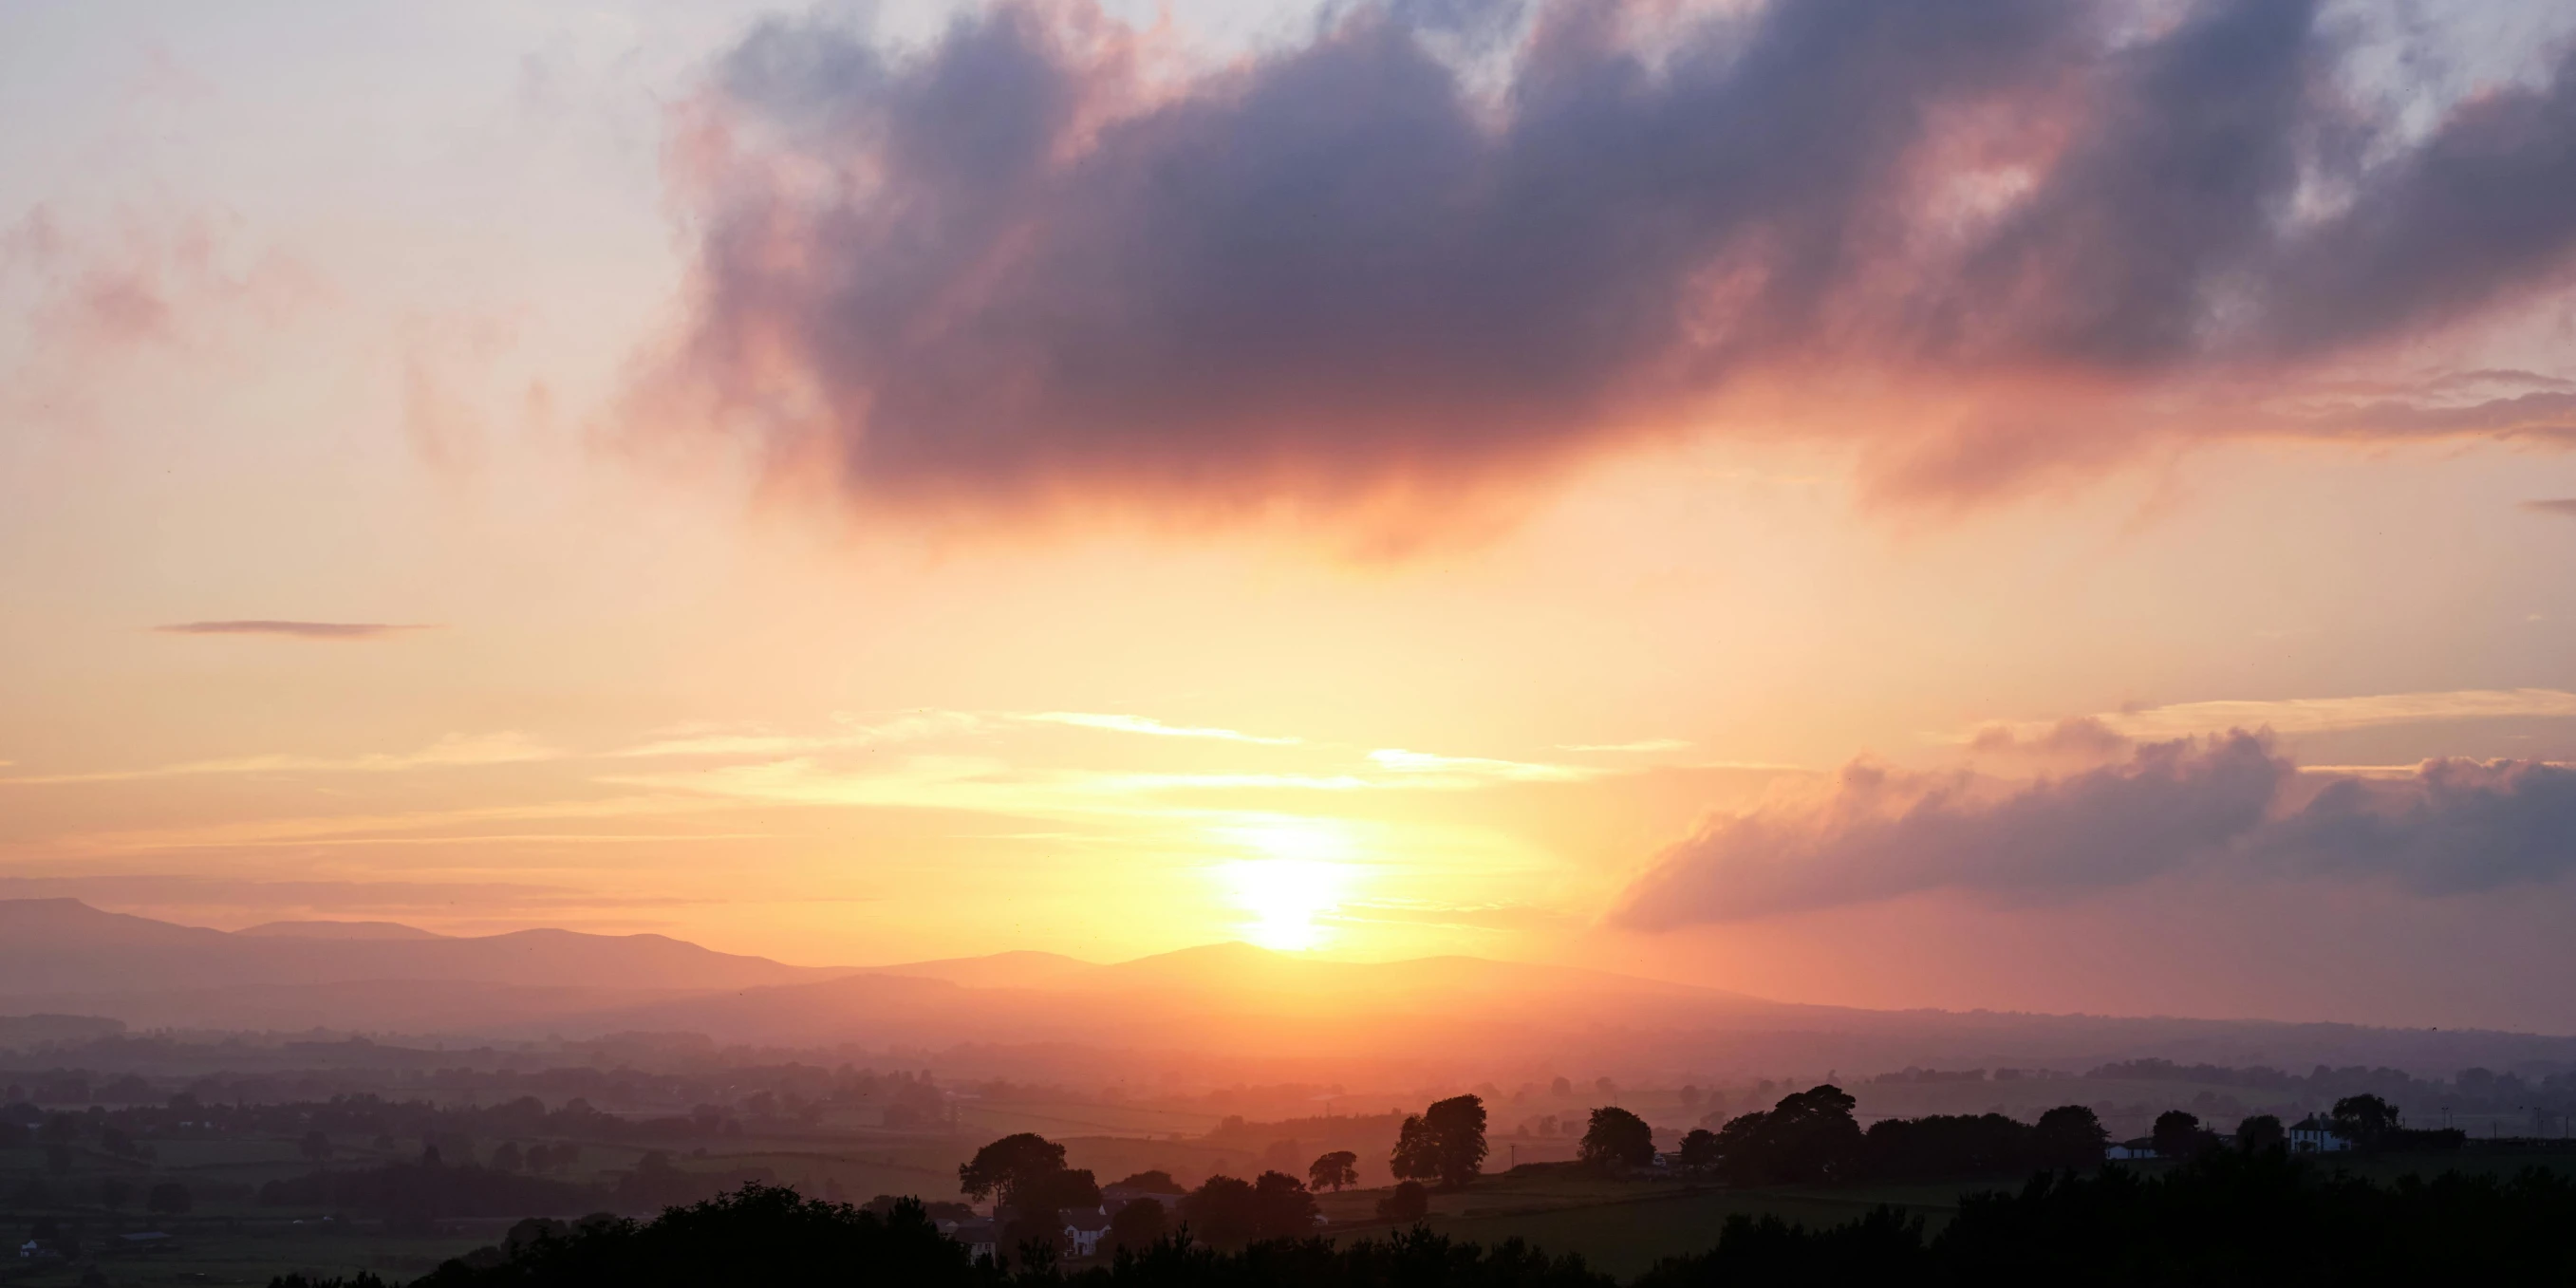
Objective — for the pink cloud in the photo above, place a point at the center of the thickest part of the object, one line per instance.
(1997, 242)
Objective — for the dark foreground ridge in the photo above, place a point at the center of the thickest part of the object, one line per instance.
(2228, 1217)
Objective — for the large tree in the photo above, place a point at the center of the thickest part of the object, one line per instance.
(1617, 1138)
(2261, 1132)
(2363, 1120)
(2177, 1134)
(1004, 1167)
(1808, 1136)
(1334, 1170)
(2069, 1136)
(1445, 1143)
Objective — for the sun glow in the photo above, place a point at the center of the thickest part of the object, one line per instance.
(1300, 877)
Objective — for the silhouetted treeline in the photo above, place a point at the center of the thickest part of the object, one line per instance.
(2478, 1091)
(1811, 1138)
(2227, 1217)
(770, 1237)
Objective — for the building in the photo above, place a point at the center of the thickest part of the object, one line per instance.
(2142, 1147)
(2314, 1135)
(1083, 1230)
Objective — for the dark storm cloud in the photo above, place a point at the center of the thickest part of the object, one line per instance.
(2227, 804)
(1016, 264)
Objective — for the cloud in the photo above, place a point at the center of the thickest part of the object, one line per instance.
(1150, 727)
(2106, 731)
(2565, 505)
(1042, 260)
(1477, 767)
(453, 751)
(293, 630)
(2229, 804)
(1649, 744)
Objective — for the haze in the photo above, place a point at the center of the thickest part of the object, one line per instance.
(1712, 511)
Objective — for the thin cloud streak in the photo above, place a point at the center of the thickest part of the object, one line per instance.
(451, 752)
(296, 630)
(2280, 715)
(1150, 727)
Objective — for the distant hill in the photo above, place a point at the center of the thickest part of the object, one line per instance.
(337, 930)
(63, 949)
(1273, 1015)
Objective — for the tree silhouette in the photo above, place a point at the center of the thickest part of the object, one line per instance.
(1334, 1170)
(1003, 1167)
(1136, 1226)
(1408, 1201)
(2364, 1120)
(1699, 1149)
(2261, 1132)
(2177, 1134)
(170, 1198)
(2069, 1136)
(1446, 1143)
(1617, 1138)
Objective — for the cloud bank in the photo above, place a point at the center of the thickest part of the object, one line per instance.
(1043, 259)
(2229, 803)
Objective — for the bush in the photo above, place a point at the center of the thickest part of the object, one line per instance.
(1409, 1202)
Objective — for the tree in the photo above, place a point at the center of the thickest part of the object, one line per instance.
(315, 1145)
(1446, 1143)
(507, 1157)
(1699, 1149)
(1156, 1181)
(1617, 1138)
(169, 1198)
(113, 1192)
(1408, 1201)
(2261, 1132)
(2177, 1134)
(58, 1159)
(2069, 1136)
(1002, 1167)
(1221, 1212)
(1136, 1226)
(1809, 1136)
(2364, 1120)
(1334, 1170)
(1282, 1207)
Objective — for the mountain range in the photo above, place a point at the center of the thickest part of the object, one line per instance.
(1221, 1002)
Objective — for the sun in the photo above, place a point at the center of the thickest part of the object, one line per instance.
(1299, 878)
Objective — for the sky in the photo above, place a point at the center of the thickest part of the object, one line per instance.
(2028, 505)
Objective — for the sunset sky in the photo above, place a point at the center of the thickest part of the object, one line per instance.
(2030, 504)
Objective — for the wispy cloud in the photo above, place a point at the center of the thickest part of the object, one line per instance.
(296, 630)
(1150, 727)
(2286, 715)
(452, 751)
(1650, 744)
(1401, 761)
(2563, 505)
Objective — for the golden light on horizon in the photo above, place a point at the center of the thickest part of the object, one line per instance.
(1302, 874)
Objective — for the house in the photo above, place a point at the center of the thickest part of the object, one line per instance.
(983, 1238)
(144, 1239)
(2142, 1147)
(2314, 1135)
(1083, 1230)
(38, 1250)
